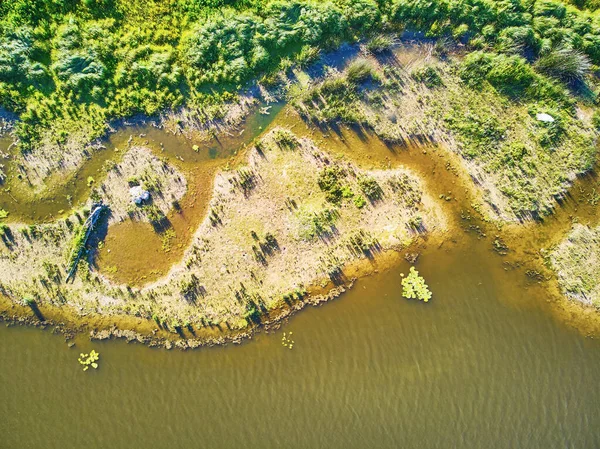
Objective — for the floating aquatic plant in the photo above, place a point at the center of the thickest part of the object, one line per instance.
(88, 360)
(414, 286)
(287, 341)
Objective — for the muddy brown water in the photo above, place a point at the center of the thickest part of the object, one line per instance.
(485, 364)
(497, 359)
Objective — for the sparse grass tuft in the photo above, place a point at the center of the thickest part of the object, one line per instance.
(429, 76)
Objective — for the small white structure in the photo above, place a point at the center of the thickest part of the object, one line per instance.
(138, 195)
(543, 117)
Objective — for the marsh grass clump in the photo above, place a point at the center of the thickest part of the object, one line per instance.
(406, 189)
(151, 181)
(336, 98)
(191, 289)
(285, 139)
(245, 179)
(4, 230)
(565, 64)
(596, 120)
(380, 44)
(359, 71)
(265, 247)
(414, 286)
(362, 243)
(153, 213)
(317, 224)
(214, 217)
(511, 75)
(331, 182)
(370, 187)
(359, 201)
(307, 55)
(416, 223)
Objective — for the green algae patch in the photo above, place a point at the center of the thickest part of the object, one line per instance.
(414, 286)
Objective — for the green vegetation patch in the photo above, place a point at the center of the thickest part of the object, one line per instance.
(66, 63)
(319, 224)
(414, 286)
(487, 106)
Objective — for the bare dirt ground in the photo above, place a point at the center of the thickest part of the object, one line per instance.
(140, 168)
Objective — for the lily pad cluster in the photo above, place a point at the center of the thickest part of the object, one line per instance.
(287, 341)
(414, 286)
(88, 360)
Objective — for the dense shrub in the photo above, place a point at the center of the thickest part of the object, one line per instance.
(510, 25)
(512, 76)
(61, 60)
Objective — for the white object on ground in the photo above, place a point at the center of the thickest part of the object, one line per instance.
(543, 117)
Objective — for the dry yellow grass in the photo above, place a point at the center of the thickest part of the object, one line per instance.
(258, 245)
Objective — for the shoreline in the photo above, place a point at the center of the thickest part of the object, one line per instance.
(299, 260)
(66, 322)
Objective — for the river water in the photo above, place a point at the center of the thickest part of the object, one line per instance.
(484, 365)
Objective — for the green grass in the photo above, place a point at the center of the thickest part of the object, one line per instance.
(68, 65)
(69, 62)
